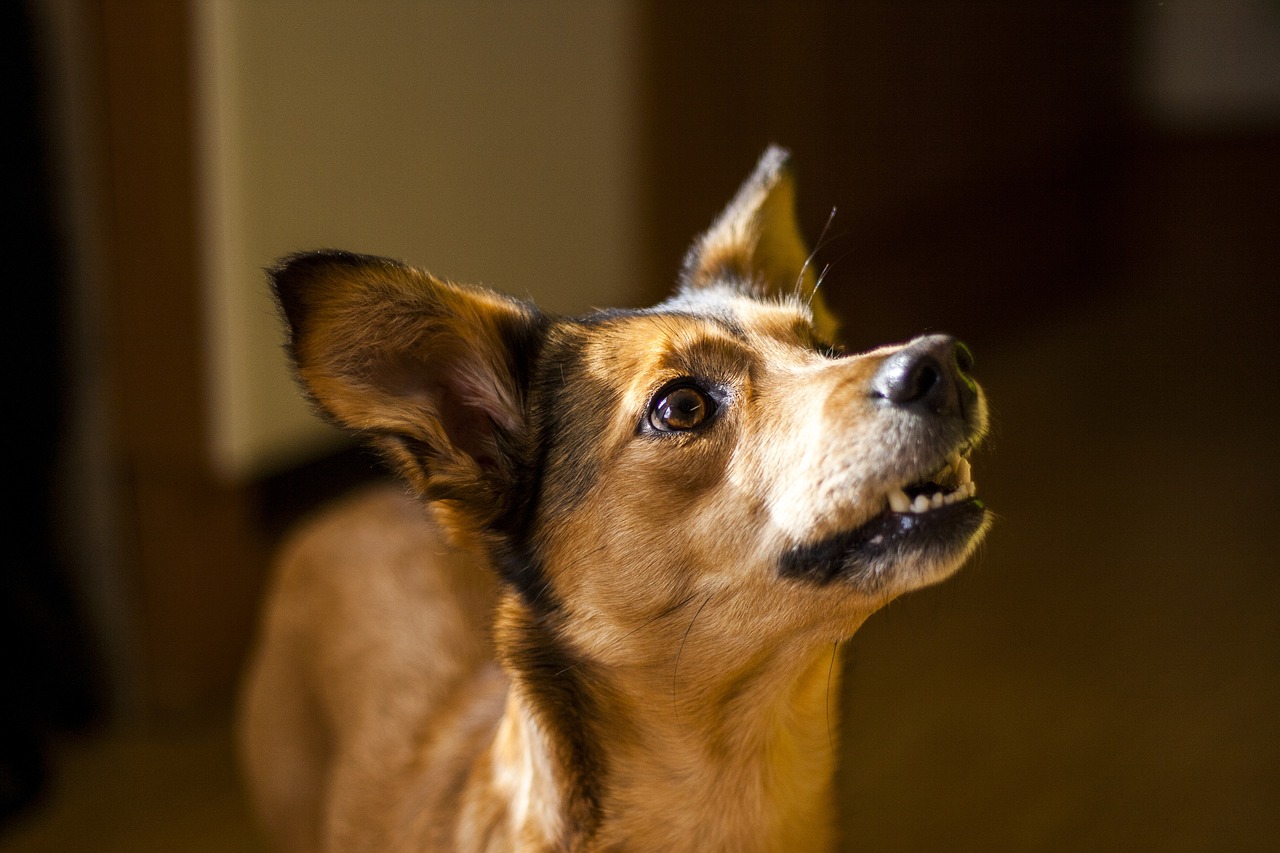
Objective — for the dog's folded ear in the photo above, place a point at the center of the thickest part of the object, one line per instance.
(433, 373)
(756, 245)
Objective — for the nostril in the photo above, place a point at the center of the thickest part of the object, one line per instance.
(923, 377)
(908, 376)
(929, 374)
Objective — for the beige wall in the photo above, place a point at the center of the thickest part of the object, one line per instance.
(486, 141)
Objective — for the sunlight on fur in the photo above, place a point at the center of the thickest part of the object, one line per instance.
(604, 610)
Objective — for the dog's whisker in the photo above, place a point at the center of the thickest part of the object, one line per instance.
(827, 699)
(817, 247)
(670, 610)
(663, 614)
(542, 590)
(826, 270)
(818, 283)
(675, 669)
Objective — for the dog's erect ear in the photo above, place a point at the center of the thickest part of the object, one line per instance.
(432, 373)
(756, 243)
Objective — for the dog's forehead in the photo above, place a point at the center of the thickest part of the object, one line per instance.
(778, 317)
(622, 346)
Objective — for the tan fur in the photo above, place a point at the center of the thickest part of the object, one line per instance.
(575, 631)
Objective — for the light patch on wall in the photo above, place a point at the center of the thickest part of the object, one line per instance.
(1210, 63)
(487, 142)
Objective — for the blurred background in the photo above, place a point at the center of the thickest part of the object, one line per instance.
(1087, 191)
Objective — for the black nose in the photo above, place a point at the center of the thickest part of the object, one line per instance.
(930, 374)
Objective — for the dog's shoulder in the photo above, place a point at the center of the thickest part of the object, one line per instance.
(375, 553)
(370, 520)
(380, 507)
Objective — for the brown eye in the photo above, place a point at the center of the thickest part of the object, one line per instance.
(681, 408)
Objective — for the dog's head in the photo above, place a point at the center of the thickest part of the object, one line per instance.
(625, 466)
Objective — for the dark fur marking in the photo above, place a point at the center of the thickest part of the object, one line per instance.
(573, 410)
(727, 320)
(556, 683)
(289, 278)
(521, 569)
(857, 555)
(513, 556)
(565, 411)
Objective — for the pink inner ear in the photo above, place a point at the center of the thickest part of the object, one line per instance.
(458, 389)
(478, 388)
(474, 404)
(468, 425)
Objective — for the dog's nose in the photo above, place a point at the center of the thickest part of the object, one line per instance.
(929, 374)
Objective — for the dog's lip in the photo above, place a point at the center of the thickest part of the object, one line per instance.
(867, 553)
(951, 483)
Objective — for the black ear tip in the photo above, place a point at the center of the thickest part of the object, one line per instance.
(293, 274)
(305, 264)
(293, 277)
(299, 266)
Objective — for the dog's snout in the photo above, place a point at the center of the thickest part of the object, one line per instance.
(930, 373)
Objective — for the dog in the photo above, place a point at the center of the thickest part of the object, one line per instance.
(603, 607)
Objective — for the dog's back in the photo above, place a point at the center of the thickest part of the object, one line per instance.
(377, 628)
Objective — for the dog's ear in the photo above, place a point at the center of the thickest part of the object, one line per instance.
(755, 244)
(432, 373)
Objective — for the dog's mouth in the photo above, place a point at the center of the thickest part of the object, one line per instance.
(951, 484)
(928, 522)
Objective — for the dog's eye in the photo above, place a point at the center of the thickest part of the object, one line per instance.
(683, 407)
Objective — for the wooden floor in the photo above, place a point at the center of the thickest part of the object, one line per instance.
(169, 788)
(1106, 674)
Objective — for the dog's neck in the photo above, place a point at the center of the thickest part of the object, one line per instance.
(739, 760)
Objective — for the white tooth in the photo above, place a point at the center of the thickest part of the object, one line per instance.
(964, 470)
(937, 500)
(898, 501)
(921, 504)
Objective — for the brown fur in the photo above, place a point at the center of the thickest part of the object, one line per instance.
(578, 630)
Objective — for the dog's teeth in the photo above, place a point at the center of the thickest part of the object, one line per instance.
(964, 471)
(898, 501)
